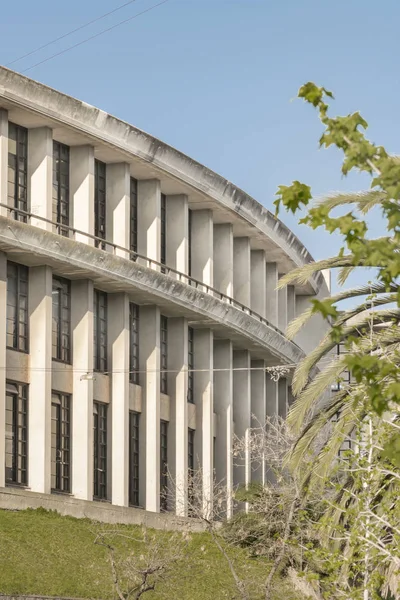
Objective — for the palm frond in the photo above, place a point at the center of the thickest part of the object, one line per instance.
(302, 274)
(364, 201)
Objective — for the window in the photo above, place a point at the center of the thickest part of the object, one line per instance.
(60, 442)
(164, 465)
(100, 203)
(60, 214)
(100, 330)
(16, 433)
(134, 219)
(134, 458)
(190, 243)
(190, 393)
(18, 170)
(17, 307)
(164, 355)
(163, 236)
(190, 469)
(133, 343)
(100, 450)
(61, 338)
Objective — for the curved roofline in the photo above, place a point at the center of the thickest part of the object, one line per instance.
(95, 122)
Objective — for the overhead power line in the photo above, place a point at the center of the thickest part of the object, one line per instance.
(61, 37)
(92, 37)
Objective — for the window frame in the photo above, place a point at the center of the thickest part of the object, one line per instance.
(133, 230)
(190, 383)
(100, 448)
(21, 279)
(134, 347)
(19, 433)
(163, 354)
(163, 232)
(18, 199)
(61, 188)
(100, 364)
(61, 351)
(163, 465)
(100, 198)
(63, 452)
(134, 457)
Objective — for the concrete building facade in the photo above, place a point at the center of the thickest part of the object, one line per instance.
(138, 308)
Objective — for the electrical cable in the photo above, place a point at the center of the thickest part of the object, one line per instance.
(94, 36)
(61, 37)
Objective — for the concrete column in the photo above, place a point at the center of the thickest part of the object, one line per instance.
(204, 399)
(118, 331)
(271, 396)
(3, 343)
(178, 424)
(149, 217)
(223, 258)
(283, 308)
(283, 397)
(258, 301)
(272, 293)
(82, 191)
(242, 412)
(118, 206)
(177, 251)
(3, 163)
(291, 303)
(202, 238)
(241, 270)
(149, 331)
(82, 398)
(223, 401)
(40, 175)
(40, 335)
(258, 411)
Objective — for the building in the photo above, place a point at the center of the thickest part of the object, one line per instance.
(138, 307)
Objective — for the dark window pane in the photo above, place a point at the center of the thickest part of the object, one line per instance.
(100, 450)
(190, 396)
(134, 218)
(164, 355)
(60, 212)
(134, 343)
(134, 458)
(61, 335)
(164, 465)
(163, 252)
(17, 170)
(60, 442)
(100, 203)
(16, 425)
(17, 303)
(100, 330)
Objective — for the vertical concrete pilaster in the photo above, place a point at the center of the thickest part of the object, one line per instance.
(118, 206)
(258, 411)
(202, 239)
(283, 308)
(149, 452)
(258, 300)
(40, 336)
(178, 424)
(223, 402)
(272, 293)
(242, 270)
(223, 258)
(118, 332)
(82, 191)
(40, 175)
(242, 413)
(177, 251)
(3, 344)
(149, 218)
(204, 399)
(3, 161)
(291, 303)
(82, 396)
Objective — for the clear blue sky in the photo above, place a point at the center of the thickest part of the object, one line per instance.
(215, 79)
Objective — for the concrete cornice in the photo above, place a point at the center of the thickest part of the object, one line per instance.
(106, 128)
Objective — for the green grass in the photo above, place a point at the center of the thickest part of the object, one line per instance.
(44, 553)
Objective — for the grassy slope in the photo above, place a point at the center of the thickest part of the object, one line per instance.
(44, 553)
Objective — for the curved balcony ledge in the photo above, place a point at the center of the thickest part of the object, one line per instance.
(112, 273)
(106, 128)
